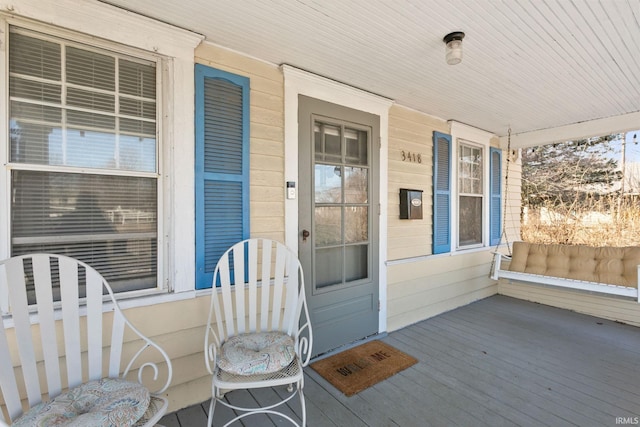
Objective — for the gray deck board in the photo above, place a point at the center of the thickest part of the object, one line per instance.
(497, 362)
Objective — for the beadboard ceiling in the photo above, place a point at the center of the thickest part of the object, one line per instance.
(545, 68)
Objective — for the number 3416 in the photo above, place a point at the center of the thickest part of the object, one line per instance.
(408, 156)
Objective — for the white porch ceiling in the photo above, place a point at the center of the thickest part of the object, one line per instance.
(542, 67)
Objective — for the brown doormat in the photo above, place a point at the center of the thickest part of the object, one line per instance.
(356, 369)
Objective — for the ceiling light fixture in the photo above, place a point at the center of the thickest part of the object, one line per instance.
(453, 50)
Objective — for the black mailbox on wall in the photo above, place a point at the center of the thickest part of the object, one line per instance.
(410, 204)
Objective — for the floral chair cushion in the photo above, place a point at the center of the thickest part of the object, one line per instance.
(256, 353)
(99, 403)
(155, 411)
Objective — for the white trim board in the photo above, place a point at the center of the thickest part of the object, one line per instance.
(591, 128)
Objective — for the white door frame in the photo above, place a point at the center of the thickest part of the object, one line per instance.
(299, 82)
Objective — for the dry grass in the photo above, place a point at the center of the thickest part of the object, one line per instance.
(608, 222)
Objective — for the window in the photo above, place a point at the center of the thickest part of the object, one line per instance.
(83, 156)
(470, 194)
(221, 166)
(475, 180)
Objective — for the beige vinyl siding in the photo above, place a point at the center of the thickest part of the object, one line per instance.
(179, 327)
(410, 131)
(607, 307)
(430, 286)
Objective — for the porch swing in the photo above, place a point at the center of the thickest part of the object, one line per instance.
(602, 270)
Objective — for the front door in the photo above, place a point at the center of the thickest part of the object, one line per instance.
(338, 220)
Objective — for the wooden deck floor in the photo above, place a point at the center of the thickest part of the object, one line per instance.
(496, 362)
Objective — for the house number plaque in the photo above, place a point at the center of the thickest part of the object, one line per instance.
(408, 156)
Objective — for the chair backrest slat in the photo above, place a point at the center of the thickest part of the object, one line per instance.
(265, 280)
(216, 312)
(22, 325)
(278, 284)
(69, 297)
(225, 288)
(117, 339)
(290, 308)
(252, 251)
(239, 281)
(94, 323)
(8, 384)
(44, 298)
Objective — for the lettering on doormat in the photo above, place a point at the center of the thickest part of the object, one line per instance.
(360, 364)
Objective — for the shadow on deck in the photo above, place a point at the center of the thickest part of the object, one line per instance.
(496, 362)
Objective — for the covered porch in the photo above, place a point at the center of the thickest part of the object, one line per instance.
(499, 361)
(533, 73)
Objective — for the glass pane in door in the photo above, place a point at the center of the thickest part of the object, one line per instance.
(328, 142)
(328, 225)
(356, 182)
(356, 142)
(328, 183)
(356, 262)
(356, 224)
(341, 201)
(328, 267)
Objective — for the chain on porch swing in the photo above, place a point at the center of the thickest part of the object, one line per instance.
(503, 233)
(506, 195)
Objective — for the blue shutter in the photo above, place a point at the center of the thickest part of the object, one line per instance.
(441, 193)
(221, 166)
(495, 204)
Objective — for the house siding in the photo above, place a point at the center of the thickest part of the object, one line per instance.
(179, 328)
(410, 131)
(606, 307)
(434, 285)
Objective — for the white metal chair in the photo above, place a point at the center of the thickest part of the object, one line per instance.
(53, 349)
(258, 288)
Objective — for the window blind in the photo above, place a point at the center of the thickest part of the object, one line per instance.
(83, 149)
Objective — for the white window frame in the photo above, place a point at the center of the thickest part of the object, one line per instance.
(107, 27)
(465, 134)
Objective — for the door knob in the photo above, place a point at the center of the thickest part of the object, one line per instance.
(305, 234)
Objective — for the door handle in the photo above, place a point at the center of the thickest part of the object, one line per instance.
(305, 234)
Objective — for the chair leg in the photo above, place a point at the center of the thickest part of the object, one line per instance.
(212, 407)
(302, 406)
